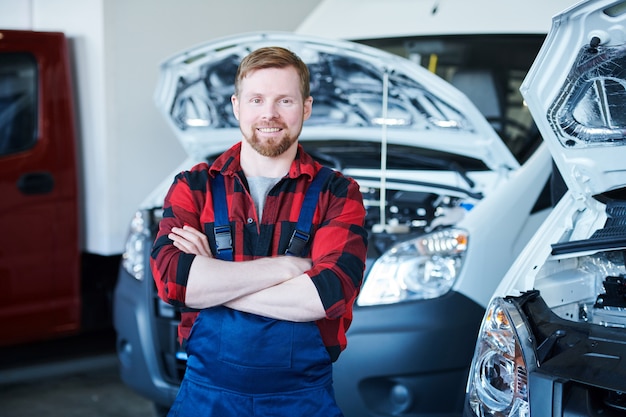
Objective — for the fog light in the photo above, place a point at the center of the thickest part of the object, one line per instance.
(401, 398)
(125, 350)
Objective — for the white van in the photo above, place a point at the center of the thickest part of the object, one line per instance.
(453, 174)
(552, 342)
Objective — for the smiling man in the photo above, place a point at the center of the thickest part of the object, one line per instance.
(262, 328)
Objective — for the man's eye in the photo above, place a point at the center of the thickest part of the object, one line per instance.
(255, 100)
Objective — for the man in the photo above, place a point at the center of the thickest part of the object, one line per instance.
(261, 332)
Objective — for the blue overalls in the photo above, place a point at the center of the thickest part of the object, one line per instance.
(241, 364)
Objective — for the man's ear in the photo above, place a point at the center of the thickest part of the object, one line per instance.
(308, 107)
(235, 104)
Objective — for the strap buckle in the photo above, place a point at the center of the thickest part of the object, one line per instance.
(223, 239)
(297, 243)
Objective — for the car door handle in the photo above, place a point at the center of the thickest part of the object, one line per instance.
(36, 183)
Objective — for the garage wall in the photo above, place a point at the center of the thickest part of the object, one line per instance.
(117, 46)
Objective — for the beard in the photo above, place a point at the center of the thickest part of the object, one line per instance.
(271, 147)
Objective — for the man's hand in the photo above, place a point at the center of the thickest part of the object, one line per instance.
(190, 240)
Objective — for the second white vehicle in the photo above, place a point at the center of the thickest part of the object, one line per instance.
(552, 342)
(449, 207)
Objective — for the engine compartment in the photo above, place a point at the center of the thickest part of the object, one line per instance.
(408, 213)
(586, 282)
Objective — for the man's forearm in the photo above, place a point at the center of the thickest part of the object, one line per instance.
(214, 282)
(296, 299)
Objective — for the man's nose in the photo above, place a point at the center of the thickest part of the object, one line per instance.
(270, 110)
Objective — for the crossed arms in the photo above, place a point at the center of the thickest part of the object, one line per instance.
(279, 287)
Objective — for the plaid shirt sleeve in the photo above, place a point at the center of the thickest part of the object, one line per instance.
(183, 204)
(339, 251)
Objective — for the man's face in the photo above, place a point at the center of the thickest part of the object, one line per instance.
(270, 109)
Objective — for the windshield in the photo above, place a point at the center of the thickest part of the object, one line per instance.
(488, 70)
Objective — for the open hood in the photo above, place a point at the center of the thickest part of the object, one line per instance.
(576, 92)
(359, 93)
(401, 18)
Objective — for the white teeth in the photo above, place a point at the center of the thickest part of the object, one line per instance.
(269, 129)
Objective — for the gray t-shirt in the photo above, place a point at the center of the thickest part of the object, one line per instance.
(259, 189)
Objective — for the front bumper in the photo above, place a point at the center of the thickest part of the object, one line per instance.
(408, 359)
(146, 343)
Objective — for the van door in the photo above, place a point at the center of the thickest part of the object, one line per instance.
(39, 253)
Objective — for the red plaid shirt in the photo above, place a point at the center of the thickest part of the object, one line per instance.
(338, 248)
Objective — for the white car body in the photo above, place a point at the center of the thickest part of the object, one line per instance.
(552, 340)
(446, 179)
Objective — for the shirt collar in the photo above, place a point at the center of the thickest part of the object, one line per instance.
(229, 163)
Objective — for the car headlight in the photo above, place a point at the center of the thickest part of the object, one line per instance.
(498, 383)
(137, 245)
(420, 268)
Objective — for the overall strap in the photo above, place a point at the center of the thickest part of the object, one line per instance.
(302, 234)
(221, 230)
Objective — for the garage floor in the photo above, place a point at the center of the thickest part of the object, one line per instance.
(67, 378)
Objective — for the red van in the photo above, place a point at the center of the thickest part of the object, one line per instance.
(40, 258)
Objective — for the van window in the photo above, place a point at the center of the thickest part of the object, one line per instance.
(18, 102)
